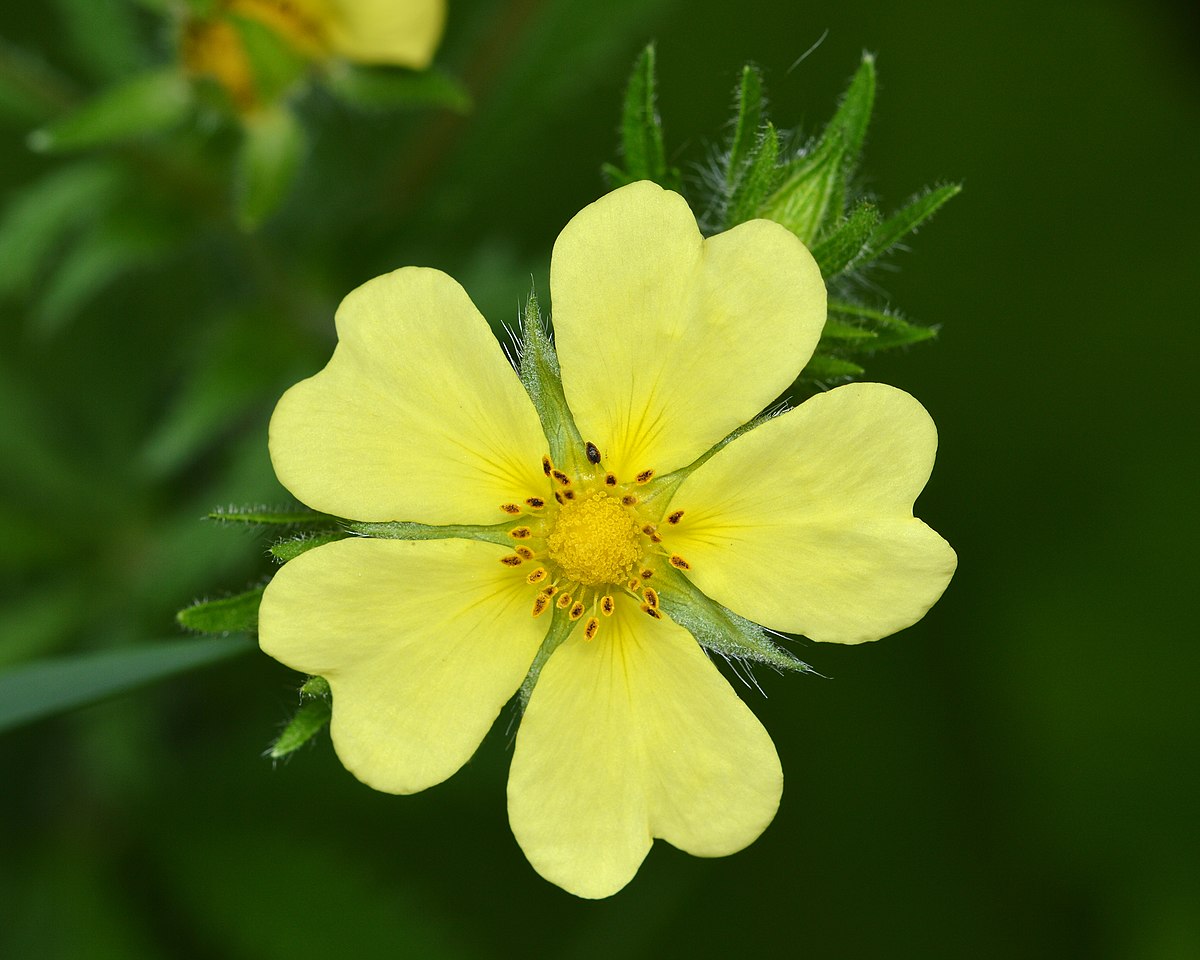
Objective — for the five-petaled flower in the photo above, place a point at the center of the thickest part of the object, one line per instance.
(668, 343)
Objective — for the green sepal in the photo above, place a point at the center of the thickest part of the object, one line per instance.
(539, 372)
(268, 160)
(746, 129)
(267, 516)
(758, 181)
(823, 368)
(854, 114)
(849, 242)
(404, 530)
(839, 331)
(292, 547)
(560, 628)
(236, 614)
(905, 220)
(888, 329)
(151, 103)
(642, 146)
(719, 629)
(275, 64)
(393, 88)
(316, 707)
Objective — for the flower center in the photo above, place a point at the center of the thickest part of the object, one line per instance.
(595, 540)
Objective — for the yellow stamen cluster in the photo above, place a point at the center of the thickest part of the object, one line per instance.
(593, 541)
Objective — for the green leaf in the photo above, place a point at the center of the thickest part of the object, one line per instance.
(719, 629)
(236, 614)
(306, 723)
(41, 216)
(290, 549)
(267, 164)
(30, 91)
(47, 687)
(268, 516)
(757, 181)
(848, 242)
(905, 220)
(392, 88)
(150, 103)
(747, 128)
(642, 145)
(104, 35)
(821, 367)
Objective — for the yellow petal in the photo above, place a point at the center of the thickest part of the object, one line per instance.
(422, 643)
(399, 32)
(418, 415)
(668, 341)
(805, 523)
(633, 736)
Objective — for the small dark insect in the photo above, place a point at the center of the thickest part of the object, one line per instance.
(593, 452)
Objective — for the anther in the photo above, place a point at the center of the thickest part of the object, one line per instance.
(520, 533)
(593, 452)
(524, 553)
(561, 477)
(653, 611)
(564, 601)
(559, 497)
(576, 611)
(540, 603)
(644, 476)
(634, 585)
(591, 629)
(650, 597)
(647, 574)
(510, 508)
(650, 531)
(607, 605)
(679, 563)
(536, 502)
(675, 517)
(537, 576)
(568, 494)
(547, 465)
(550, 590)
(629, 499)
(512, 560)
(610, 479)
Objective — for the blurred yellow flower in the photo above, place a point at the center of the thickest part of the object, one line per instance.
(667, 342)
(403, 33)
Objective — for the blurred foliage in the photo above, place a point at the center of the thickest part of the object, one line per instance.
(1022, 753)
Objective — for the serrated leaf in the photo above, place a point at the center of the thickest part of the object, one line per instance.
(905, 220)
(236, 614)
(267, 164)
(719, 629)
(758, 181)
(848, 243)
(821, 367)
(393, 88)
(267, 516)
(150, 103)
(312, 717)
(40, 217)
(747, 126)
(33, 691)
(290, 549)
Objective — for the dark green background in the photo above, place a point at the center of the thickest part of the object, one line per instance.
(1015, 776)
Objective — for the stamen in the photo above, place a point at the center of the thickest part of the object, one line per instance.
(576, 611)
(679, 563)
(536, 502)
(610, 479)
(550, 590)
(524, 553)
(644, 476)
(561, 477)
(675, 517)
(629, 499)
(540, 603)
(591, 629)
(568, 494)
(547, 465)
(520, 533)
(647, 574)
(650, 597)
(537, 576)
(607, 605)
(634, 585)
(559, 497)
(512, 560)
(653, 611)
(593, 452)
(651, 531)
(563, 602)
(510, 508)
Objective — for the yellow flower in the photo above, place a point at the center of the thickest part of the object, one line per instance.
(667, 342)
(403, 33)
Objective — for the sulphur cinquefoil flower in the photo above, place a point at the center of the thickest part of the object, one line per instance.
(590, 536)
(402, 33)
